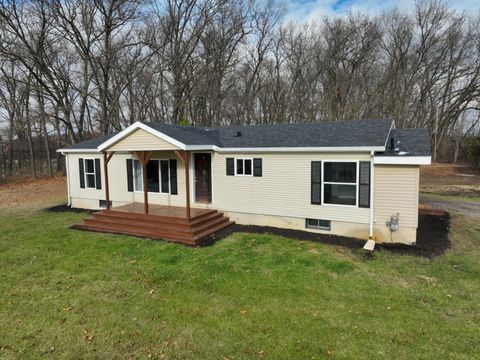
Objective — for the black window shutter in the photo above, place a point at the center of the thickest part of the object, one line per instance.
(230, 167)
(364, 185)
(173, 177)
(82, 173)
(129, 175)
(316, 179)
(98, 174)
(257, 167)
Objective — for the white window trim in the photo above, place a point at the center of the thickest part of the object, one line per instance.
(243, 159)
(356, 183)
(159, 177)
(85, 173)
(193, 190)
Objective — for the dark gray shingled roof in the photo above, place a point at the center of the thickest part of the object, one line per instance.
(408, 142)
(92, 143)
(188, 135)
(320, 134)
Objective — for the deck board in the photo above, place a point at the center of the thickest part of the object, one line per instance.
(162, 222)
(160, 210)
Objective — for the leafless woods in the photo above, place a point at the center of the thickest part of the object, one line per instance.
(73, 69)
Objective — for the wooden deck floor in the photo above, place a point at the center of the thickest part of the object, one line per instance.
(159, 210)
(163, 222)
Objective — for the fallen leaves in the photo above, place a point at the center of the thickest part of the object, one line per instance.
(88, 337)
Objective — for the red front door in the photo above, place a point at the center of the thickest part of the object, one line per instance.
(203, 177)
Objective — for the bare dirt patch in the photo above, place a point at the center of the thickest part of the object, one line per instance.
(450, 179)
(30, 191)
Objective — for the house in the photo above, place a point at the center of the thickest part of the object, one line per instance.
(352, 178)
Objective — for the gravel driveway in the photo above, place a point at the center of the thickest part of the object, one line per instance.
(470, 208)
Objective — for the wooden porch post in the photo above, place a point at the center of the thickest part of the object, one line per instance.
(187, 182)
(183, 155)
(145, 187)
(106, 159)
(144, 157)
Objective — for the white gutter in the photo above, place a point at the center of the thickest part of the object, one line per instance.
(372, 193)
(67, 163)
(251, 150)
(403, 160)
(300, 149)
(65, 151)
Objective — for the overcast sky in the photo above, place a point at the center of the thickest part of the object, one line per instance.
(305, 10)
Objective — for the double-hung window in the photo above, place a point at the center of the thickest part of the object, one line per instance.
(340, 183)
(90, 173)
(243, 167)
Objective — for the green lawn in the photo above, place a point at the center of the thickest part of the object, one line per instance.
(72, 294)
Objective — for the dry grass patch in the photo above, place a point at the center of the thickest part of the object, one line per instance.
(33, 191)
(450, 179)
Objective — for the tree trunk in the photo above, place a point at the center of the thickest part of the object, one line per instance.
(10, 146)
(43, 124)
(31, 152)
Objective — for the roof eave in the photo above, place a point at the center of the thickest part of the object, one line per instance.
(253, 149)
(303, 149)
(67, 150)
(402, 160)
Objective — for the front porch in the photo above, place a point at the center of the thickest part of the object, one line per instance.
(162, 222)
(148, 174)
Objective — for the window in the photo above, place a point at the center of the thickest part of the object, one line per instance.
(153, 178)
(164, 168)
(158, 176)
(340, 183)
(103, 203)
(90, 173)
(243, 167)
(138, 179)
(317, 224)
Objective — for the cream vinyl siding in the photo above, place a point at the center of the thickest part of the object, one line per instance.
(141, 140)
(283, 190)
(396, 191)
(117, 175)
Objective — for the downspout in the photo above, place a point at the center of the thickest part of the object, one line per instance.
(372, 194)
(67, 166)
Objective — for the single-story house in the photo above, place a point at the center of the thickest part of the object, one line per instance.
(355, 178)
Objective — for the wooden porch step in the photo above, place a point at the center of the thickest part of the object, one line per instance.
(154, 217)
(209, 225)
(137, 231)
(197, 238)
(180, 228)
(157, 227)
(187, 229)
(157, 220)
